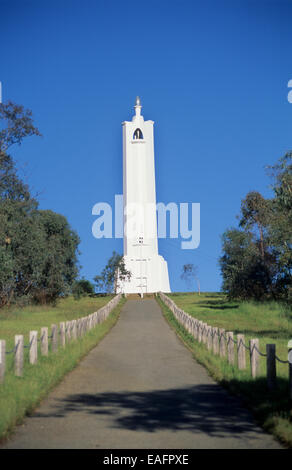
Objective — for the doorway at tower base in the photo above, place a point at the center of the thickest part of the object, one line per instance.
(147, 275)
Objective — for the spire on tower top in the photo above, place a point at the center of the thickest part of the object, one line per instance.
(138, 106)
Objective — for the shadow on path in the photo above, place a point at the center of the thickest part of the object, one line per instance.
(201, 408)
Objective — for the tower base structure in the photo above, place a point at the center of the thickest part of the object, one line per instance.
(148, 275)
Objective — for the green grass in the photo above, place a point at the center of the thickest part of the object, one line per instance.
(20, 395)
(271, 323)
(19, 321)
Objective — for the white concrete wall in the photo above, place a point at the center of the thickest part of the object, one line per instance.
(149, 269)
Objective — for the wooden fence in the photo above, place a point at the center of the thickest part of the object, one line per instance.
(223, 343)
(60, 335)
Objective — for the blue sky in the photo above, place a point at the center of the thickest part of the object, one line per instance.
(212, 75)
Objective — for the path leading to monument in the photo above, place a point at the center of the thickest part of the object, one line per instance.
(140, 388)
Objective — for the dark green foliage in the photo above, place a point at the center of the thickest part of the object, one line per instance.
(82, 288)
(16, 123)
(38, 249)
(257, 258)
(280, 232)
(59, 266)
(245, 274)
(255, 212)
(113, 273)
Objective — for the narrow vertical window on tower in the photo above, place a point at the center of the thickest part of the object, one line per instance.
(138, 134)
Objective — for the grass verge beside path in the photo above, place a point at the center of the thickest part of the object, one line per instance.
(19, 396)
(272, 410)
(19, 321)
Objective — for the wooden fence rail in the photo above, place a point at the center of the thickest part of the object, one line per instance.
(218, 341)
(62, 335)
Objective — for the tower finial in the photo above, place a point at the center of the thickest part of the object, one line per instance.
(138, 106)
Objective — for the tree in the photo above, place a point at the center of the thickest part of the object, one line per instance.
(16, 123)
(255, 212)
(257, 260)
(59, 267)
(82, 288)
(190, 273)
(280, 228)
(282, 175)
(245, 274)
(16, 203)
(7, 281)
(113, 274)
(29, 250)
(38, 249)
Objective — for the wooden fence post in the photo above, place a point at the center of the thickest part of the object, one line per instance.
(190, 325)
(2, 359)
(78, 328)
(200, 331)
(204, 333)
(18, 358)
(68, 325)
(33, 350)
(215, 341)
(62, 334)
(241, 359)
(196, 329)
(212, 337)
(193, 328)
(54, 338)
(254, 357)
(209, 338)
(222, 345)
(74, 330)
(44, 341)
(230, 347)
(271, 366)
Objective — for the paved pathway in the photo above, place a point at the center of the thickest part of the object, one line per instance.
(140, 388)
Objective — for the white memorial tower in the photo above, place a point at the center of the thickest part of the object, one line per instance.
(149, 272)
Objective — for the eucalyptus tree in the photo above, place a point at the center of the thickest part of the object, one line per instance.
(113, 274)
